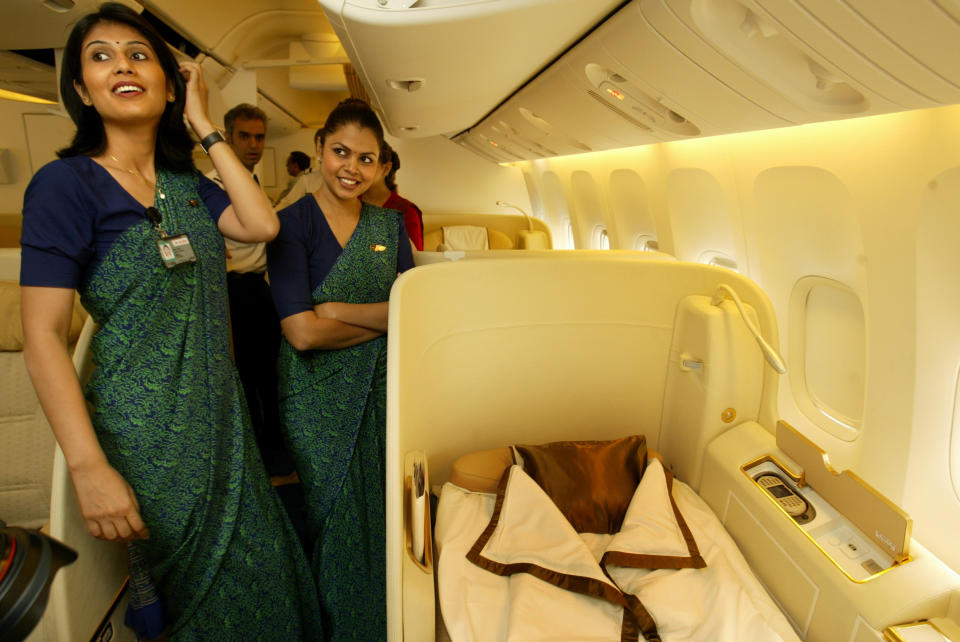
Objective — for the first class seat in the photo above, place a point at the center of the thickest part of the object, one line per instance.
(26, 442)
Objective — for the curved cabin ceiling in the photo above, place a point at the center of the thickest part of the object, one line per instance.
(272, 39)
(438, 66)
(524, 79)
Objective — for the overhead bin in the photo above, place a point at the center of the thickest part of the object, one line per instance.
(652, 71)
(438, 66)
(741, 46)
(906, 51)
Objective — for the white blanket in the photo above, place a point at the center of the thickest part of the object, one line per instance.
(545, 582)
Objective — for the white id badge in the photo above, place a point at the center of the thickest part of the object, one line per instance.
(175, 250)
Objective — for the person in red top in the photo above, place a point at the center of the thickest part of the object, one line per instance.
(383, 192)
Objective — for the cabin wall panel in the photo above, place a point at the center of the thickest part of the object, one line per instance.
(700, 214)
(629, 209)
(551, 179)
(440, 176)
(804, 223)
(936, 422)
(562, 227)
(590, 210)
(15, 136)
(846, 201)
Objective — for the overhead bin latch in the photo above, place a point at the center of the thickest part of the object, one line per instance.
(406, 85)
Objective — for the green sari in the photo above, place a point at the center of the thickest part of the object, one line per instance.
(333, 406)
(169, 413)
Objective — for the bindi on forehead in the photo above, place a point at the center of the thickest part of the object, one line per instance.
(117, 43)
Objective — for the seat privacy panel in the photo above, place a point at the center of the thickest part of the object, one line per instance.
(26, 455)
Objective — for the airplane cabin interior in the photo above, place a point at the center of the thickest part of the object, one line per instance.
(729, 226)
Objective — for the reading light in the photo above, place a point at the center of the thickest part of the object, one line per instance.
(519, 209)
(529, 239)
(28, 561)
(615, 93)
(774, 359)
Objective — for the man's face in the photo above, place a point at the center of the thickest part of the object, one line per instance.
(292, 168)
(247, 139)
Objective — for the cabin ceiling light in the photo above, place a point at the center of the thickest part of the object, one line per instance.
(60, 6)
(24, 98)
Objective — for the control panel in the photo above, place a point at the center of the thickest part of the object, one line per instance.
(790, 500)
(849, 549)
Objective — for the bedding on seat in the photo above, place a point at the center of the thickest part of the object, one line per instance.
(511, 567)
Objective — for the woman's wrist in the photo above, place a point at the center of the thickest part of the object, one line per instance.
(86, 462)
(203, 129)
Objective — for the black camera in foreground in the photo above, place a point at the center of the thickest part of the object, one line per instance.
(28, 561)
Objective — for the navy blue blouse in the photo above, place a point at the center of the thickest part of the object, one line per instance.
(73, 211)
(305, 251)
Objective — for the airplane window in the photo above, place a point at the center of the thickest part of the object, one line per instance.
(646, 243)
(828, 348)
(718, 259)
(603, 239)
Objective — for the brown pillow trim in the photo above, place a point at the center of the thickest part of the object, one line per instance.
(636, 618)
(641, 560)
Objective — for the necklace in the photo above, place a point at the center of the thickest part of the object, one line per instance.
(136, 173)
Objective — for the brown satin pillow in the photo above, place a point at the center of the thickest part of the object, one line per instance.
(591, 482)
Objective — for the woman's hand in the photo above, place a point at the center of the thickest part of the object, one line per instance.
(106, 500)
(108, 504)
(196, 102)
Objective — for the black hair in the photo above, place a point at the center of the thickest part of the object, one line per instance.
(389, 155)
(174, 148)
(244, 111)
(352, 111)
(300, 159)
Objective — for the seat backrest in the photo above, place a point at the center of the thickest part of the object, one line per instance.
(504, 231)
(26, 441)
(26, 457)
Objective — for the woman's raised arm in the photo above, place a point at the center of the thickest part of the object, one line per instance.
(250, 218)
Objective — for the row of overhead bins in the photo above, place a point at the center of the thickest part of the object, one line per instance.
(439, 66)
(659, 70)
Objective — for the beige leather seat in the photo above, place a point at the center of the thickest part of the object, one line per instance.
(26, 442)
(433, 239)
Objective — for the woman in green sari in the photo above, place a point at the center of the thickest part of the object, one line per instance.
(331, 268)
(165, 458)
